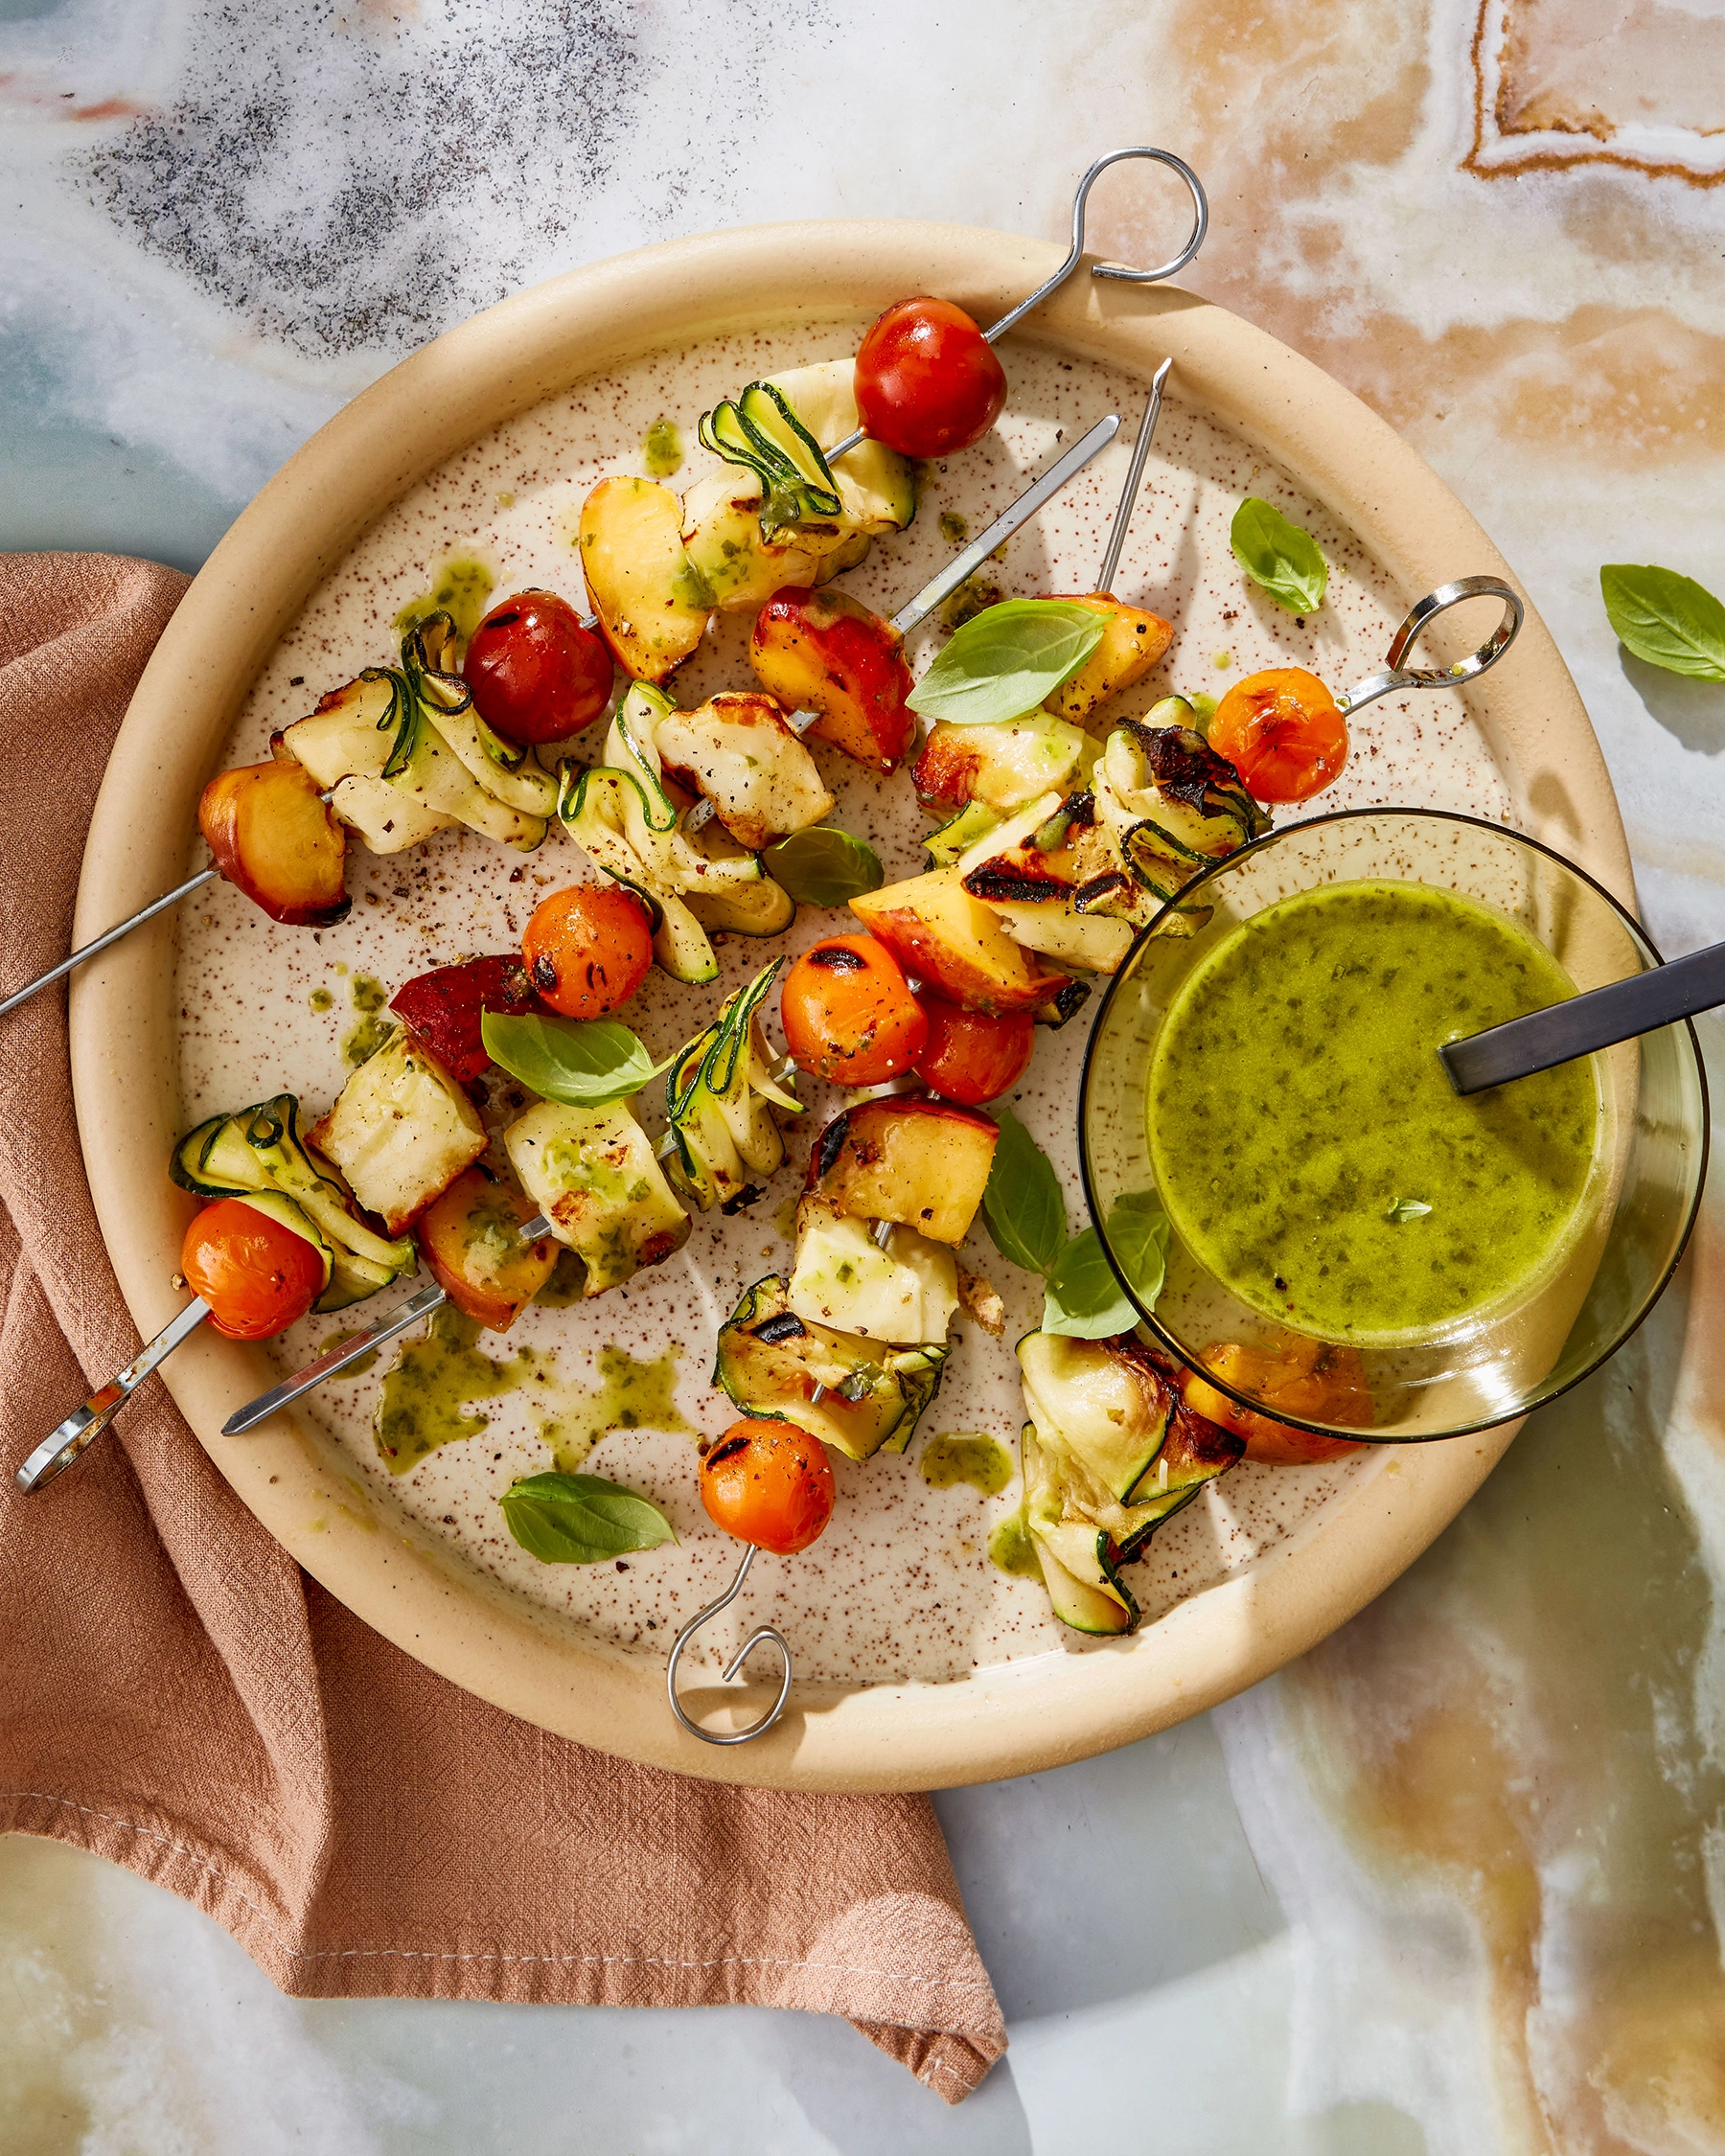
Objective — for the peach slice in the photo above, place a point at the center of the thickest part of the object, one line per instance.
(652, 602)
(471, 1240)
(955, 945)
(1133, 640)
(822, 650)
(923, 1164)
(274, 839)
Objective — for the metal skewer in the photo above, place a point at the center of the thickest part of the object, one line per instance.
(1435, 602)
(334, 1360)
(1134, 479)
(762, 1632)
(1116, 270)
(93, 950)
(84, 1425)
(966, 561)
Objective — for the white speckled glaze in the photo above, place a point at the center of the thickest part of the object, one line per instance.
(900, 1588)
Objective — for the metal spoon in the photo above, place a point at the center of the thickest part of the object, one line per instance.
(1642, 1003)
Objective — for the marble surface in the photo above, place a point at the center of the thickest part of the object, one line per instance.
(1453, 1884)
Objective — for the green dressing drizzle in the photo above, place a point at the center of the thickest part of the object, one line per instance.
(966, 1456)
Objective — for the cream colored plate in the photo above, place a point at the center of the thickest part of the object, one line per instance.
(923, 1664)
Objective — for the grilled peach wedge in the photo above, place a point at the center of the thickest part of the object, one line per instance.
(820, 651)
(471, 1241)
(652, 601)
(957, 945)
(1133, 640)
(922, 1163)
(274, 839)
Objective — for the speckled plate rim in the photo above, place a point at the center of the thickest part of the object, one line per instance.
(1009, 1719)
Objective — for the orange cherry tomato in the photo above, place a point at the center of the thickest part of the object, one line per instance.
(1302, 1377)
(536, 672)
(849, 1015)
(256, 1275)
(768, 1483)
(971, 1058)
(1282, 731)
(587, 949)
(928, 382)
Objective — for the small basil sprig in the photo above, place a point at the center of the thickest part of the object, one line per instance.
(582, 1065)
(581, 1519)
(1280, 557)
(1669, 620)
(825, 866)
(1004, 662)
(1025, 1210)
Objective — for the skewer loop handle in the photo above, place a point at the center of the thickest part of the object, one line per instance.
(764, 1632)
(1469, 668)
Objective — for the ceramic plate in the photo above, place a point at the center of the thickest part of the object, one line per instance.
(919, 1663)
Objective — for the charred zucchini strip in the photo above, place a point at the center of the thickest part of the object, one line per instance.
(719, 1103)
(261, 1151)
(1110, 1452)
(771, 1362)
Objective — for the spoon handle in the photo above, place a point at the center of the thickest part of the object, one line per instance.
(1598, 1020)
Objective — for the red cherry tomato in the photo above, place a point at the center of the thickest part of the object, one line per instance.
(971, 1058)
(1283, 733)
(928, 382)
(848, 1013)
(768, 1483)
(587, 949)
(256, 1275)
(537, 674)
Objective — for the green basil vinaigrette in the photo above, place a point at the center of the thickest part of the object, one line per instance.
(1309, 1147)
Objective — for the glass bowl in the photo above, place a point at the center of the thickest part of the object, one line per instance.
(1641, 1202)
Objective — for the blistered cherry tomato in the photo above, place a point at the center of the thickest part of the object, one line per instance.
(768, 1483)
(587, 949)
(848, 1013)
(535, 674)
(970, 1058)
(256, 1275)
(1282, 731)
(928, 382)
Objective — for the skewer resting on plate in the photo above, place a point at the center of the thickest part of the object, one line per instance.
(1116, 270)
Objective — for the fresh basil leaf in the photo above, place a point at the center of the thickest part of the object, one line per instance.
(825, 866)
(582, 1065)
(581, 1519)
(1407, 1209)
(1084, 1301)
(1282, 556)
(1004, 662)
(1138, 1231)
(1669, 620)
(1022, 1204)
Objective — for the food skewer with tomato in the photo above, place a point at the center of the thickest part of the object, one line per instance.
(487, 1245)
(253, 1268)
(927, 383)
(770, 1486)
(535, 665)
